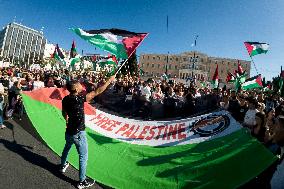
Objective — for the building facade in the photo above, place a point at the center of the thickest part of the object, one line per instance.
(20, 44)
(189, 64)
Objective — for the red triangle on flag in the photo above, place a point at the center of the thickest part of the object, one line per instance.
(249, 47)
(132, 42)
(240, 69)
(258, 80)
(216, 75)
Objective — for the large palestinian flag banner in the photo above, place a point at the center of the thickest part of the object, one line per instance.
(208, 151)
(121, 43)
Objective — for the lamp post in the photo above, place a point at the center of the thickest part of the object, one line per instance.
(194, 59)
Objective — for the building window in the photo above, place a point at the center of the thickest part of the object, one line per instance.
(176, 67)
(148, 57)
(176, 59)
(221, 71)
(142, 65)
(235, 64)
(184, 59)
(158, 65)
(153, 65)
(148, 64)
(170, 66)
(153, 58)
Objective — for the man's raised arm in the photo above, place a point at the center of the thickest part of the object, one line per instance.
(99, 90)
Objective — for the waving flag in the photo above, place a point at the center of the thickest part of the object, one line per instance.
(240, 69)
(56, 55)
(73, 51)
(206, 151)
(59, 52)
(252, 83)
(255, 48)
(119, 42)
(108, 61)
(230, 78)
(215, 79)
(75, 60)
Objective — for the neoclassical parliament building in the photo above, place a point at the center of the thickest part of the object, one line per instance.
(189, 64)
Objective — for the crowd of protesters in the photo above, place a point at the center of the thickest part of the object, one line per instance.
(261, 113)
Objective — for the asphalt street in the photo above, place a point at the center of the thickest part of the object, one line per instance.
(25, 162)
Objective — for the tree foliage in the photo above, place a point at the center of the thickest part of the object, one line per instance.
(131, 66)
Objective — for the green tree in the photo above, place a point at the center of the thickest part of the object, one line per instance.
(131, 66)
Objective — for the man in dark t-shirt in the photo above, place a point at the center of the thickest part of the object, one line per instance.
(73, 113)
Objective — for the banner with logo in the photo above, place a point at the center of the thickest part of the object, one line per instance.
(208, 151)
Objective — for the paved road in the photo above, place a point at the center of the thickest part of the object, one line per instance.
(26, 163)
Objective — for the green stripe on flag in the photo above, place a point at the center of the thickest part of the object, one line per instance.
(115, 47)
(225, 162)
(73, 61)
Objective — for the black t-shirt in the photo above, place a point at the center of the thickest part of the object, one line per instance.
(73, 105)
(234, 108)
(242, 113)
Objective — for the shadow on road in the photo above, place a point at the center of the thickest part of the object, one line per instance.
(36, 159)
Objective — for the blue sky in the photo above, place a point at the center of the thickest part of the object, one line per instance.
(222, 25)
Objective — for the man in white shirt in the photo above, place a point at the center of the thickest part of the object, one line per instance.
(250, 120)
(146, 91)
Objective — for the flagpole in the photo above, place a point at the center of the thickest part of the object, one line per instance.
(254, 65)
(251, 59)
(129, 55)
(193, 64)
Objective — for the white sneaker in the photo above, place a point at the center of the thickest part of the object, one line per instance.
(64, 167)
(2, 126)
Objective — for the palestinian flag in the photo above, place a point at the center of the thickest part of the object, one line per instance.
(255, 48)
(73, 51)
(240, 69)
(57, 57)
(60, 54)
(267, 88)
(207, 151)
(108, 61)
(215, 79)
(252, 83)
(75, 60)
(165, 76)
(120, 43)
(230, 78)
(141, 72)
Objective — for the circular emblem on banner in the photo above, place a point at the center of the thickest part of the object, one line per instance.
(211, 125)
